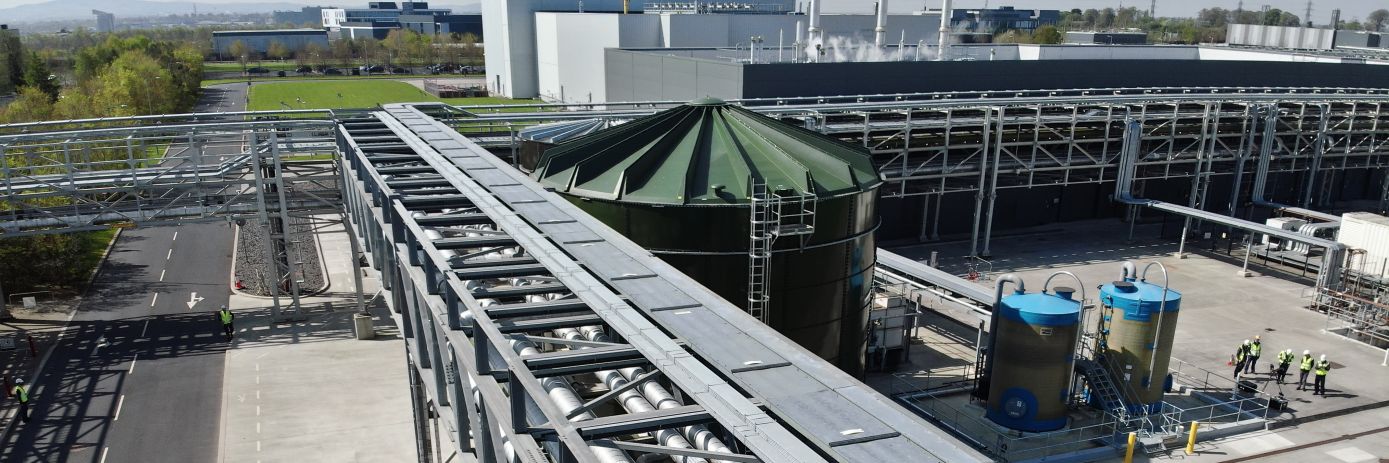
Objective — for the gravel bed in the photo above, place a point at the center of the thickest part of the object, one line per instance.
(252, 269)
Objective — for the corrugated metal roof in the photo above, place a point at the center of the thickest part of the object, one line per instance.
(704, 152)
(560, 132)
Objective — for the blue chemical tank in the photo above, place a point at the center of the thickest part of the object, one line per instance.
(1142, 320)
(1034, 349)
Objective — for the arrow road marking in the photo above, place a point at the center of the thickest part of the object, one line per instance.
(193, 300)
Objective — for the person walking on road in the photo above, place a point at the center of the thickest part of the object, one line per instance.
(1306, 368)
(1255, 349)
(1241, 355)
(1285, 360)
(1323, 366)
(225, 316)
(22, 394)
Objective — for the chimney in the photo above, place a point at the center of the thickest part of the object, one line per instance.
(880, 32)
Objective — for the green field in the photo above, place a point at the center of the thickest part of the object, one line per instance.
(296, 78)
(341, 94)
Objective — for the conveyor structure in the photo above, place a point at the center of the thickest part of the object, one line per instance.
(508, 295)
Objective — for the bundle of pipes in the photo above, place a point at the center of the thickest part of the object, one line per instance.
(648, 396)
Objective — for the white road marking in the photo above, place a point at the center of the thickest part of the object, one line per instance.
(257, 427)
(119, 404)
(132, 363)
(257, 379)
(175, 237)
(161, 275)
(257, 410)
(169, 254)
(193, 300)
(257, 446)
(143, 330)
(257, 366)
(156, 297)
(257, 394)
(103, 453)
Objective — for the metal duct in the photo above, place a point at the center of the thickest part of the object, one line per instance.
(880, 32)
(943, 47)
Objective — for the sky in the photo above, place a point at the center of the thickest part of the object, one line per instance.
(1321, 9)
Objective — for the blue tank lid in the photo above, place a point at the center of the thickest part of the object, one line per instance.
(1139, 299)
(1041, 309)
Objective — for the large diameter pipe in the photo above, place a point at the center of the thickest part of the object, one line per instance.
(813, 33)
(699, 435)
(880, 32)
(1020, 288)
(943, 46)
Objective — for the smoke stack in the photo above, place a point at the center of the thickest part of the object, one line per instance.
(880, 32)
(800, 42)
(813, 34)
(944, 45)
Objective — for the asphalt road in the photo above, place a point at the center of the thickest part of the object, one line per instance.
(138, 376)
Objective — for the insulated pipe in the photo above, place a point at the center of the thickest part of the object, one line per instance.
(1261, 173)
(880, 32)
(634, 402)
(943, 47)
(798, 48)
(1075, 348)
(1162, 307)
(813, 33)
(655, 394)
(1020, 288)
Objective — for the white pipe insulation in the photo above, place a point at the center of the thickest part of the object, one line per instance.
(943, 47)
(813, 33)
(880, 32)
(655, 394)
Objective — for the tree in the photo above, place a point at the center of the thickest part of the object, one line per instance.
(278, 50)
(31, 105)
(1376, 20)
(240, 52)
(314, 54)
(37, 75)
(1047, 35)
(1013, 36)
(136, 84)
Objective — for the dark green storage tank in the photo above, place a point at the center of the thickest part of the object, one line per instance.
(678, 183)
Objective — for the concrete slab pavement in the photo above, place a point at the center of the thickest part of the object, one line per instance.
(308, 390)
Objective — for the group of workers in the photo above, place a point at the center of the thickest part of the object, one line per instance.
(1246, 361)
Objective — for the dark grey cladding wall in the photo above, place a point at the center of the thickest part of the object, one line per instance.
(787, 80)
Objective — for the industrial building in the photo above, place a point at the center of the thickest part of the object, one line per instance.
(105, 22)
(380, 18)
(258, 41)
(1002, 19)
(1306, 38)
(306, 15)
(1106, 38)
(661, 74)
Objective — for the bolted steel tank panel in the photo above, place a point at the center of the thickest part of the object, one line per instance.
(1034, 356)
(678, 184)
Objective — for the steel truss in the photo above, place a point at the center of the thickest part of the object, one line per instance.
(510, 296)
(931, 145)
(89, 175)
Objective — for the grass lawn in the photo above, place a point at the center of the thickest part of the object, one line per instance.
(341, 94)
(93, 245)
(294, 78)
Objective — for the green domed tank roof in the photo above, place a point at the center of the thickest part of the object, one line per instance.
(704, 153)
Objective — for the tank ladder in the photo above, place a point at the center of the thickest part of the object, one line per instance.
(771, 215)
(1103, 387)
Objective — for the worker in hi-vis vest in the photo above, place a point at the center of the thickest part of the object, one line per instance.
(225, 316)
(1323, 366)
(1305, 369)
(21, 393)
(1256, 349)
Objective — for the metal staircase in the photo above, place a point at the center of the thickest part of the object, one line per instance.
(772, 215)
(1102, 387)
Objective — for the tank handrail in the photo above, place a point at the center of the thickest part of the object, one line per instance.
(1070, 384)
(1157, 329)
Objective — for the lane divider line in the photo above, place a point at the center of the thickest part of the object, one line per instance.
(103, 453)
(132, 364)
(119, 404)
(169, 254)
(156, 298)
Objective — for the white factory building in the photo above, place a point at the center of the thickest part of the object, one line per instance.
(548, 49)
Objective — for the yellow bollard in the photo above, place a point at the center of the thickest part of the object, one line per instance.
(1191, 439)
(1128, 455)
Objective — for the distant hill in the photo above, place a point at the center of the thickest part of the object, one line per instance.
(54, 10)
(67, 10)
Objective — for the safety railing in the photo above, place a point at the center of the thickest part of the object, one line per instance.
(970, 425)
(1240, 405)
